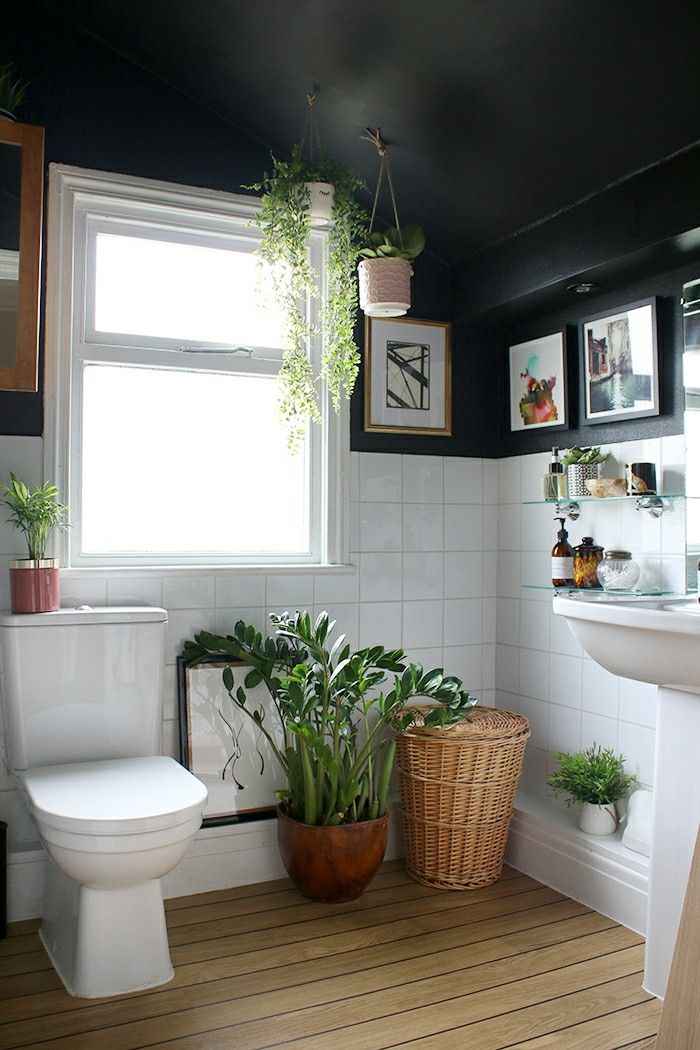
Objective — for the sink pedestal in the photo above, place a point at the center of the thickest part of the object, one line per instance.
(676, 820)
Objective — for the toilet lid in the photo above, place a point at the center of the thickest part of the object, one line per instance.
(116, 796)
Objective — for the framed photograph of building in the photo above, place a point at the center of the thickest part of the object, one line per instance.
(408, 376)
(538, 383)
(223, 747)
(620, 363)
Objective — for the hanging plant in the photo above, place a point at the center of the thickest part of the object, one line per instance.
(290, 193)
(12, 92)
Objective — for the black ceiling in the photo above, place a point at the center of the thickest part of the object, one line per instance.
(499, 112)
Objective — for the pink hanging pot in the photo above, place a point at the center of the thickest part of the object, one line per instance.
(385, 287)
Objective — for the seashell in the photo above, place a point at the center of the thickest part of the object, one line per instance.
(605, 488)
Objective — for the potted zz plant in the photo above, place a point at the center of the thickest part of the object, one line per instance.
(295, 194)
(594, 780)
(34, 583)
(334, 738)
(384, 271)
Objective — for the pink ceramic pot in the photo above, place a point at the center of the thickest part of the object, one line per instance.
(385, 287)
(34, 586)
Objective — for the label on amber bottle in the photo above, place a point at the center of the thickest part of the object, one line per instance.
(562, 568)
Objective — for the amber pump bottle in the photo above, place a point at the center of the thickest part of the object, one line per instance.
(562, 559)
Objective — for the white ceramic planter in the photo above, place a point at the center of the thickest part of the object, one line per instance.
(321, 197)
(598, 820)
(385, 287)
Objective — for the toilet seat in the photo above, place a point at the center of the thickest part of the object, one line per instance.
(115, 797)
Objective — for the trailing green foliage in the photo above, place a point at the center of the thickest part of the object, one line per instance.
(596, 775)
(12, 90)
(38, 513)
(390, 244)
(586, 456)
(336, 741)
(285, 225)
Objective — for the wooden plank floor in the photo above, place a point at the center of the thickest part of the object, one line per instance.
(512, 965)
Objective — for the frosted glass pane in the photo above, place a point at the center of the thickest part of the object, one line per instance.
(189, 462)
(181, 291)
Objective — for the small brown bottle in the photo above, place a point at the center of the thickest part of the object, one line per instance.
(562, 559)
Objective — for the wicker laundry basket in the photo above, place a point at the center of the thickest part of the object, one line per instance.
(457, 788)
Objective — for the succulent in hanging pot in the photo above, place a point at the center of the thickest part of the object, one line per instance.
(12, 92)
(34, 582)
(297, 194)
(385, 270)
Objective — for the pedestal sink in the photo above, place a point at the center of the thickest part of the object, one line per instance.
(659, 642)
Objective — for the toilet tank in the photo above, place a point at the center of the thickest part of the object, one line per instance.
(82, 684)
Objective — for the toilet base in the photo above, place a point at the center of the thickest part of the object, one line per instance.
(105, 941)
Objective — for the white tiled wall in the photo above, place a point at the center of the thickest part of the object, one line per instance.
(423, 547)
(540, 668)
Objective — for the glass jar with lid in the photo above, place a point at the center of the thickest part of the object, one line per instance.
(618, 572)
(587, 557)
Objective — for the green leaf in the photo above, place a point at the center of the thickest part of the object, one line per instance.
(228, 678)
(252, 679)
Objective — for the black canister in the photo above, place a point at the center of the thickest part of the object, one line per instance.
(641, 479)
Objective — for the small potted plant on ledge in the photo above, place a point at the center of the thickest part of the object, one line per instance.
(582, 465)
(34, 582)
(595, 780)
(335, 740)
(12, 92)
(385, 270)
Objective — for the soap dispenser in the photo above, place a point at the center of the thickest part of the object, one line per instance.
(562, 559)
(554, 482)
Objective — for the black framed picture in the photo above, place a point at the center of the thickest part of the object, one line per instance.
(223, 747)
(538, 394)
(620, 366)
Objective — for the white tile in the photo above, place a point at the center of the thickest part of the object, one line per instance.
(354, 476)
(347, 622)
(380, 624)
(561, 639)
(226, 619)
(487, 697)
(536, 570)
(538, 532)
(422, 479)
(506, 701)
(170, 740)
(423, 527)
(463, 480)
(673, 463)
(90, 590)
(508, 621)
(533, 674)
(636, 743)
(490, 527)
(380, 577)
(429, 659)
(673, 574)
(490, 476)
(595, 729)
(533, 467)
(463, 527)
(490, 574)
(509, 527)
(673, 528)
(354, 528)
(170, 692)
(182, 626)
(564, 729)
(509, 484)
(245, 590)
(534, 625)
(422, 575)
(507, 668)
(336, 587)
(463, 575)
(422, 624)
(465, 661)
(565, 679)
(509, 574)
(380, 526)
(126, 590)
(380, 477)
(188, 592)
(295, 591)
(489, 606)
(638, 702)
(537, 714)
(601, 690)
(534, 778)
(463, 621)
(488, 667)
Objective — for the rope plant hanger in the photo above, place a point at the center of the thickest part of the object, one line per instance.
(385, 270)
(312, 189)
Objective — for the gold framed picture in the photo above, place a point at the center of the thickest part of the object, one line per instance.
(408, 376)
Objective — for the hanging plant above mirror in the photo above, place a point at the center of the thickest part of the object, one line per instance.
(312, 188)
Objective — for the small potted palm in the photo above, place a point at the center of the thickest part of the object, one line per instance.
(12, 92)
(595, 780)
(334, 739)
(385, 270)
(34, 581)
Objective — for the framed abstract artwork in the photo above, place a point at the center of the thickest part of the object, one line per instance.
(408, 376)
(620, 364)
(223, 747)
(538, 383)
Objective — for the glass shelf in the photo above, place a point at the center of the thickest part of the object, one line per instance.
(608, 499)
(599, 594)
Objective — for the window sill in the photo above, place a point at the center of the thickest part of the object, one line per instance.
(127, 571)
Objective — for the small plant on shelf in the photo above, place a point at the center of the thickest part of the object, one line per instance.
(588, 456)
(594, 779)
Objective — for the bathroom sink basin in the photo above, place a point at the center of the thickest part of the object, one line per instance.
(655, 641)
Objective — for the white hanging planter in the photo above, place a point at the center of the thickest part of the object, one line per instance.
(385, 287)
(598, 820)
(321, 197)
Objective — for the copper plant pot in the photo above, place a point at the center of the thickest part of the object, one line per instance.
(331, 864)
(34, 586)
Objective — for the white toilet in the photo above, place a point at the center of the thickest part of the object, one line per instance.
(83, 697)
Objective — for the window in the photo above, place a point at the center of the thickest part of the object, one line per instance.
(163, 390)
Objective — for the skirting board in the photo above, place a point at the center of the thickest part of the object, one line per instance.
(231, 855)
(598, 871)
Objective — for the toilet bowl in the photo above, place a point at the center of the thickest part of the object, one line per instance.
(111, 829)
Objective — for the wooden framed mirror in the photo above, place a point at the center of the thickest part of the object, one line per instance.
(21, 203)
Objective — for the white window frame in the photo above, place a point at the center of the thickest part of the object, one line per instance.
(79, 203)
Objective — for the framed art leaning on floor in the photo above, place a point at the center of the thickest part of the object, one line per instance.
(408, 376)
